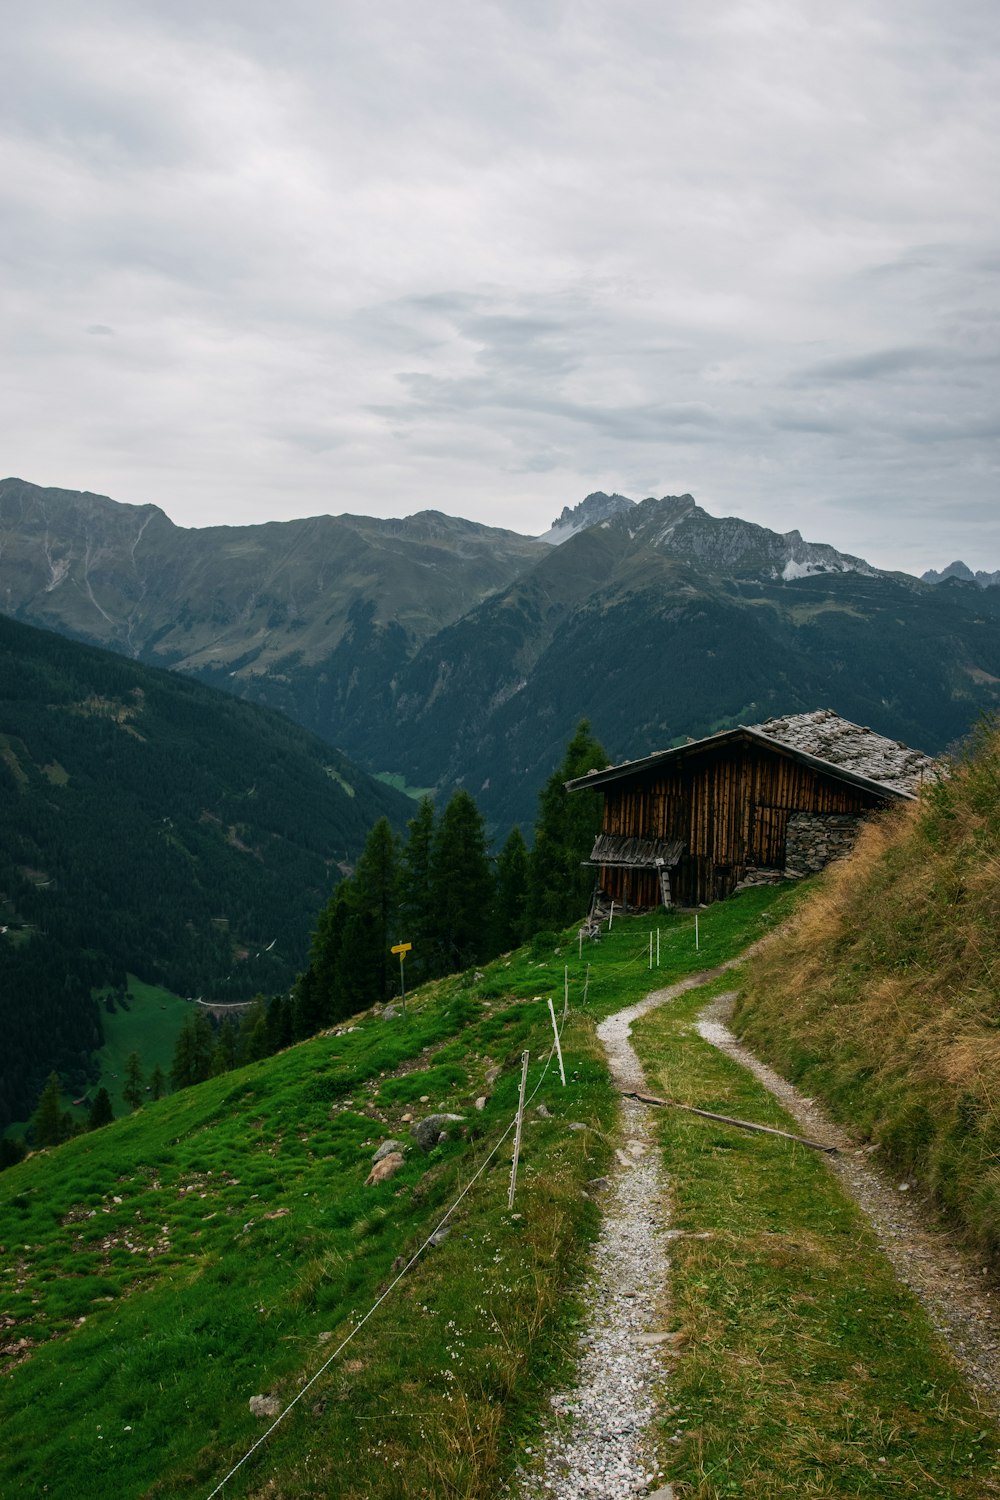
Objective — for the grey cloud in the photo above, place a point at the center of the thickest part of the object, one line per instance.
(881, 362)
(736, 251)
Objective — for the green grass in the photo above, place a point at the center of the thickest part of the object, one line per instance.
(196, 1253)
(805, 1367)
(150, 1027)
(398, 782)
(220, 1243)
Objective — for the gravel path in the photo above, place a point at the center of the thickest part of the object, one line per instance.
(596, 1444)
(952, 1289)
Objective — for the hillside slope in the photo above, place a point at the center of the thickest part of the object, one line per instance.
(149, 824)
(619, 628)
(459, 654)
(883, 995)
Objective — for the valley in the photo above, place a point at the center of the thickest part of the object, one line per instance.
(217, 1292)
(447, 653)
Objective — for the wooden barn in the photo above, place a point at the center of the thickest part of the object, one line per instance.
(689, 825)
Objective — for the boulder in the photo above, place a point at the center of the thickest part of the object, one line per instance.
(384, 1169)
(428, 1131)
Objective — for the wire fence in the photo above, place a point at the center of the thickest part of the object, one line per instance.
(428, 1241)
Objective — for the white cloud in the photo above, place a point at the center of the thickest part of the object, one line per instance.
(489, 257)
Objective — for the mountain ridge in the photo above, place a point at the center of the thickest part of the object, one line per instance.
(456, 654)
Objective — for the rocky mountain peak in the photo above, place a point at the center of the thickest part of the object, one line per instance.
(734, 547)
(964, 573)
(591, 510)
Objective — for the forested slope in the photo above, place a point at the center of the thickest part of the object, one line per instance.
(883, 995)
(150, 824)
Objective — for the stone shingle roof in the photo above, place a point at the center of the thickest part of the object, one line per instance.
(853, 747)
(852, 751)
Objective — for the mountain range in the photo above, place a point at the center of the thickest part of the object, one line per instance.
(450, 653)
(964, 573)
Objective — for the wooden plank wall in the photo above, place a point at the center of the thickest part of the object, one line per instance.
(730, 806)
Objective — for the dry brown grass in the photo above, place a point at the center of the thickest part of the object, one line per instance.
(883, 992)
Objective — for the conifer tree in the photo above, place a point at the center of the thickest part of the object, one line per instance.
(462, 887)
(132, 1092)
(511, 898)
(193, 1052)
(226, 1049)
(253, 1031)
(560, 885)
(157, 1083)
(46, 1122)
(416, 915)
(365, 954)
(101, 1112)
(278, 1028)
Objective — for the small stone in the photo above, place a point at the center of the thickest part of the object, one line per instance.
(542, 1112)
(576, 1125)
(386, 1149)
(265, 1406)
(665, 1492)
(385, 1168)
(425, 1098)
(599, 1184)
(439, 1235)
(652, 1340)
(481, 1102)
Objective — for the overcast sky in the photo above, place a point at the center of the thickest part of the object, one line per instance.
(263, 261)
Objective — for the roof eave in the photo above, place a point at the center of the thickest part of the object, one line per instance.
(597, 779)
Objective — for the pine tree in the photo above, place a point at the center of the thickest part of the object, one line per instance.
(132, 1092)
(253, 1031)
(376, 882)
(226, 1049)
(157, 1083)
(278, 1028)
(461, 886)
(101, 1112)
(510, 904)
(560, 885)
(193, 1052)
(416, 902)
(46, 1122)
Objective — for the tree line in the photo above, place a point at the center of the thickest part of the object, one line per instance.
(439, 889)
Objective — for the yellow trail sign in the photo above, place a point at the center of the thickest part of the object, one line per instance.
(401, 948)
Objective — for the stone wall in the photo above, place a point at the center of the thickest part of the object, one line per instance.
(814, 839)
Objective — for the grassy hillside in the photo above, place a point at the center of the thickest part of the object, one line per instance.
(883, 996)
(220, 1243)
(149, 824)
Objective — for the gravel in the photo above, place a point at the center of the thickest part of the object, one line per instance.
(597, 1443)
